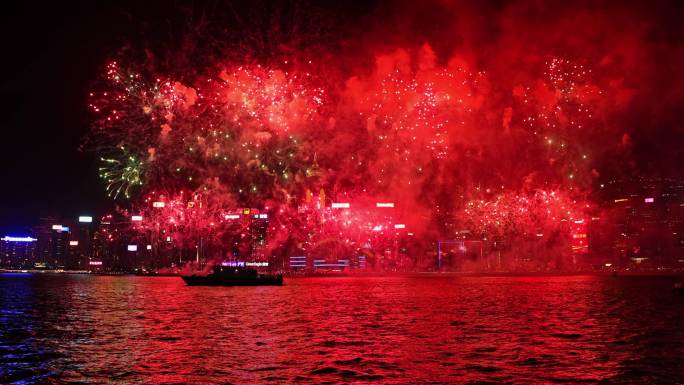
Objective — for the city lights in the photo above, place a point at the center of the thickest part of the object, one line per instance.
(85, 219)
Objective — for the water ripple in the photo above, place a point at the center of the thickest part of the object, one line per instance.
(391, 330)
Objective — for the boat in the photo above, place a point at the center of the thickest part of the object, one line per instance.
(233, 276)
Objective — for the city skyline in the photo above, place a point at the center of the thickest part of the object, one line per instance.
(638, 225)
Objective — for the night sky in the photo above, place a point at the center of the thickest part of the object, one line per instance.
(54, 52)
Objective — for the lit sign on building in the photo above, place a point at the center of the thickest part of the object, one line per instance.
(387, 204)
(85, 219)
(18, 239)
(136, 218)
(400, 226)
(57, 227)
(233, 263)
(132, 248)
(341, 205)
(158, 204)
(95, 263)
(73, 243)
(232, 216)
(243, 263)
(649, 200)
(325, 263)
(257, 264)
(149, 247)
(298, 261)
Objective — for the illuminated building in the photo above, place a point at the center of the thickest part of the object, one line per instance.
(43, 233)
(81, 244)
(53, 249)
(106, 246)
(59, 247)
(579, 240)
(258, 234)
(643, 222)
(17, 252)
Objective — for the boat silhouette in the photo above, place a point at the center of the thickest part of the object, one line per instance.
(233, 276)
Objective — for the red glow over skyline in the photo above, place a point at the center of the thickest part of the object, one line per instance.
(448, 144)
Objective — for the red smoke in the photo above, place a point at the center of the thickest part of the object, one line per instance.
(448, 110)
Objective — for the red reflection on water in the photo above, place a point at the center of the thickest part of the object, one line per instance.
(389, 330)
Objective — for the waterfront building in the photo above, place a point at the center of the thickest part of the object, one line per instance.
(17, 252)
(643, 222)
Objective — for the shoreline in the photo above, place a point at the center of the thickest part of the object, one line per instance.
(419, 274)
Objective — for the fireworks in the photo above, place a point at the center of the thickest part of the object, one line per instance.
(436, 140)
(526, 215)
(121, 175)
